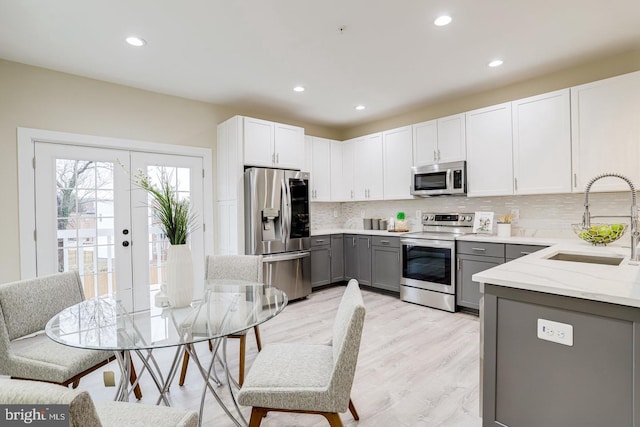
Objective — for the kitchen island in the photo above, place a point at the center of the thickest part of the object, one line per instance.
(561, 339)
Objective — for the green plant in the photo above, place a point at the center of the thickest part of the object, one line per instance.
(174, 214)
(400, 216)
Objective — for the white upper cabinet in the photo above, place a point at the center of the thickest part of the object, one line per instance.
(348, 172)
(425, 143)
(270, 144)
(289, 146)
(321, 169)
(489, 151)
(308, 154)
(542, 144)
(397, 162)
(368, 165)
(605, 132)
(451, 139)
(338, 193)
(439, 141)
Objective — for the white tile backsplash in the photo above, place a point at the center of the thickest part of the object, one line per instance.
(540, 215)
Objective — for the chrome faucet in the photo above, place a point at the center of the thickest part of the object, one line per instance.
(635, 232)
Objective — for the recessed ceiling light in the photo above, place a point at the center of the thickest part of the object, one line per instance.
(135, 41)
(298, 89)
(442, 20)
(360, 107)
(495, 63)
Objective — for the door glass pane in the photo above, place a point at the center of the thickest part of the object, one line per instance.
(85, 231)
(427, 264)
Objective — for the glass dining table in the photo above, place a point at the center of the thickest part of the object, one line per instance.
(228, 307)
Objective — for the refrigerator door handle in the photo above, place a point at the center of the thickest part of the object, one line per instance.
(285, 210)
(285, 257)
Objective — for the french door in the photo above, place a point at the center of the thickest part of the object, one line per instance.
(92, 217)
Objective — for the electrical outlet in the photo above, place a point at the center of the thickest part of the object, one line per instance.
(561, 333)
(335, 213)
(361, 213)
(515, 213)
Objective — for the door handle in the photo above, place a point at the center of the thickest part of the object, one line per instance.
(479, 249)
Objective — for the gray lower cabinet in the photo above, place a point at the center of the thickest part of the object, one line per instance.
(350, 257)
(320, 260)
(386, 263)
(533, 382)
(468, 291)
(337, 258)
(474, 257)
(364, 260)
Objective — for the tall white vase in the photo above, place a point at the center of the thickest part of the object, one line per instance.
(179, 273)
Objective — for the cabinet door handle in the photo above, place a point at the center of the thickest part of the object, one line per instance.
(353, 242)
(435, 156)
(458, 264)
(368, 243)
(438, 154)
(277, 158)
(273, 158)
(385, 242)
(479, 249)
(398, 256)
(515, 183)
(575, 179)
(352, 194)
(320, 241)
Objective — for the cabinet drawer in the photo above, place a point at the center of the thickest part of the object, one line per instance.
(514, 251)
(325, 239)
(392, 242)
(481, 248)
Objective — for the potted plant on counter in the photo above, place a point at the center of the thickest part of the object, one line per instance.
(504, 225)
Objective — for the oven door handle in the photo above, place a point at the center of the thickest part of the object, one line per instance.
(445, 244)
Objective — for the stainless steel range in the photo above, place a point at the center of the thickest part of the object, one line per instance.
(428, 260)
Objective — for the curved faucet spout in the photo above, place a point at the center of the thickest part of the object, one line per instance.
(635, 233)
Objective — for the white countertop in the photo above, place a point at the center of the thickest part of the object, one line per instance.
(355, 231)
(606, 283)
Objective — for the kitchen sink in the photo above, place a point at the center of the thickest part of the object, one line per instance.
(589, 259)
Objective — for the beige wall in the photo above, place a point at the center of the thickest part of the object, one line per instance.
(587, 72)
(38, 98)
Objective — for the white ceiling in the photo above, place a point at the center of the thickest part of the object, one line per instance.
(249, 54)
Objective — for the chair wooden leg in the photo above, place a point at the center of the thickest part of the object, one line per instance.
(185, 363)
(243, 344)
(132, 379)
(256, 330)
(333, 418)
(256, 416)
(353, 411)
(210, 346)
(75, 383)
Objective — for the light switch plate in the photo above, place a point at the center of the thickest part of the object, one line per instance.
(561, 333)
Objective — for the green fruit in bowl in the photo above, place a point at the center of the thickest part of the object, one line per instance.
(604, 230)
(617, 227)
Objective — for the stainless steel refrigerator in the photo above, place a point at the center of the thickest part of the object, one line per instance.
(277, 226)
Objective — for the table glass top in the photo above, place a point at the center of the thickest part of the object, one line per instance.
(228, 307)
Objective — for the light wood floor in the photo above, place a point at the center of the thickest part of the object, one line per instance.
(417, 366)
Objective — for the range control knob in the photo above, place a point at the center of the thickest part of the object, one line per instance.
(432, 217)
(467, 218)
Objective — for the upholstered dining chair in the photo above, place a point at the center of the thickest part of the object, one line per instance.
(25, 350)
(83, 412)
(232, 267)
(309, 378)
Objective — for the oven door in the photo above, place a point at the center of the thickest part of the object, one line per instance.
(428, 264)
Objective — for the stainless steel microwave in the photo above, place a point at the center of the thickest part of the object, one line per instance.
(439, 179)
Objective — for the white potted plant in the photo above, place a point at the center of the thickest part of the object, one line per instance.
(504, 225)
(176, 221)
